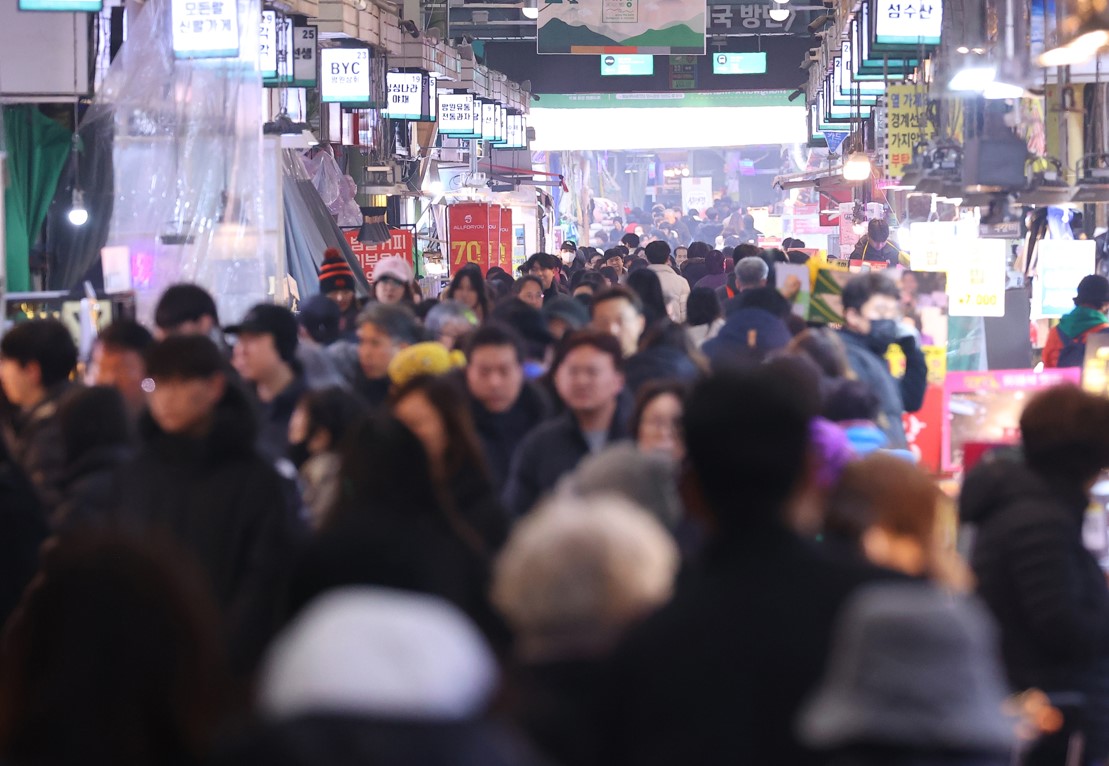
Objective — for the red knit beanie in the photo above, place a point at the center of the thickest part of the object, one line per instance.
(335, 273)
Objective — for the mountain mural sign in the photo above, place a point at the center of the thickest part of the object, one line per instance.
(598, 27)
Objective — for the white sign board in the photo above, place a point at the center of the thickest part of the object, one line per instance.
(115, 262)
(932, 243)
(405, 95)
(456, 114)
(1062, 264)
(205, 29)
(976, 279)
(305, 64)
(908, 22)
(489, 121)
(696, 194)
(267, 45)
(345, 75)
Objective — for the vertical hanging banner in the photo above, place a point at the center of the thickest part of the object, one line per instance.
(676, 27)
(504, 259)
(468, 228)
(205, 29)
(283, 41)
(267, 45)
(906, 125)
(305, 66)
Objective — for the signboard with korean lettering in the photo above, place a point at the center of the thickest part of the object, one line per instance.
(283, 41)
(489, 120)
(405, 95)
(907, 22)
(71, 6)
(205, 29)
(345, 76)
(267, 45)
(739, 63)
(933, 242)
(683, 72)
(456, 114)
(1062, 264)
(627, 64)
(621, 26)
(697, 193)
(472, 234)
(517, 138)
(479, 117)
(976, 279)
(743, 19)
(906, 125)
(401, 244)
(305, 64)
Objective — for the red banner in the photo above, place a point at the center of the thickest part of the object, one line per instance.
(924, 430)
(402, 243)
(480, 233)
(505, 259)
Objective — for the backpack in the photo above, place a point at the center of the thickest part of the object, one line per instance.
(1073, 353)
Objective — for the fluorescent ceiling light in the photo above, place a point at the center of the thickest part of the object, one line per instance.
(973, 79)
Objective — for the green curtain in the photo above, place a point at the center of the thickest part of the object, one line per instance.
(38, 148)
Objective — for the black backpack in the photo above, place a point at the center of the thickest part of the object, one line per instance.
(1073, 353)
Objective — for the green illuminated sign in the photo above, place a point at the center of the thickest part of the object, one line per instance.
(739, 63)
(627, 64)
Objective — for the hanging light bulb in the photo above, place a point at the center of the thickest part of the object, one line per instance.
(857, 167)
(78, 213)
(778, 14)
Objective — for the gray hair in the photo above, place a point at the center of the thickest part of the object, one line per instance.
(395, 320)
(751, 271)
(576, 573)
(445, 313)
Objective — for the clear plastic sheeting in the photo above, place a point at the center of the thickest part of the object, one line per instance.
(197, 196)
(336, 189)
(310, 229)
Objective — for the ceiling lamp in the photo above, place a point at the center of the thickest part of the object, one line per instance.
(857, 167)
(1083, 32)
(779, 14)
(530, 9)
(78, 214)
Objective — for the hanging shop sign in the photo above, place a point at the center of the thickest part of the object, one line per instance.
(472, 234)
(617, 64)
(850, 87)
(621, 26)
(479, 117)
(739, 63)
(517, 132)
(401, 244)
(267, 45)
(1063, 263)
(932, 243)
(872, 64)
(283, 52)
(976, 279)
(505, 244)
(406, 95)
(696, 193)
(489, 121)
(907, 22)
(906, 125)
(345, 76)
(208, 29)
(456, 114)
(305, 59)
(71, 6)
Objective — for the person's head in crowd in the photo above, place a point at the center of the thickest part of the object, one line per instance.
(320, 423)
(681, 254)
(185, 309)
(871, 308)
(265, 352)
(751, 273)
(572, 579)
(118, 360)
(824, 348)
(190, 379)
(383, 330)
(568, 252)
(658, 253)
(588, 371)
(544, 266)
(657, 422)
(914, 677)
(614, 258)
(698, 250)
(528, 322)
(392, 281)
(611, 275)
(726, 460)
(619, 312)
(878, 232)
(468, 288)
(1093, 292)
(703, 307)
(92, 418)
(648, 287)
(630, 241)
(711, 215)
(648, 480)
(714, 262)
(587, 283)
(448, 322)
(36, 357)
(419, 359)
(529, 289)
(1065, 433)
(337, 280)
(564, 315)
(851, 401)
(495, 373)
(120, 641)
(433, 407)
(596, 258)
(888, 510)
(319, 319)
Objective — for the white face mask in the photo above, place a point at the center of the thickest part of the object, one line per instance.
(567, 257)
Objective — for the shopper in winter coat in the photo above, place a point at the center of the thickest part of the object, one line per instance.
(199, 478)
(747, 334)
(1046, 590)
(505, 407)
(317, 429)
(23, 527)
(1066, 344)
(36, 360)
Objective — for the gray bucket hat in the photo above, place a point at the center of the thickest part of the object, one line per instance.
(911, 666)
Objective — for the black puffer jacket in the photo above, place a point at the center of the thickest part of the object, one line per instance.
(1046, 590)
(88, 490)
(501, 433)
(223, 503)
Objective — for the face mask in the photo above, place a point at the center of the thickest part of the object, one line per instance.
(883, 332)
(567, 257)
(299, 454)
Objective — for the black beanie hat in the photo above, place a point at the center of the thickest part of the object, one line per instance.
(335, 272)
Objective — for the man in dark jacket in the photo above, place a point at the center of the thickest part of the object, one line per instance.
(383, 331)
(1046, 590)
(871, 311)
(588, 371)
(505, 406)
(717, 675)
(36, 360)
(876, 245)
(200, 480)
(548, 268)
(750, 332)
